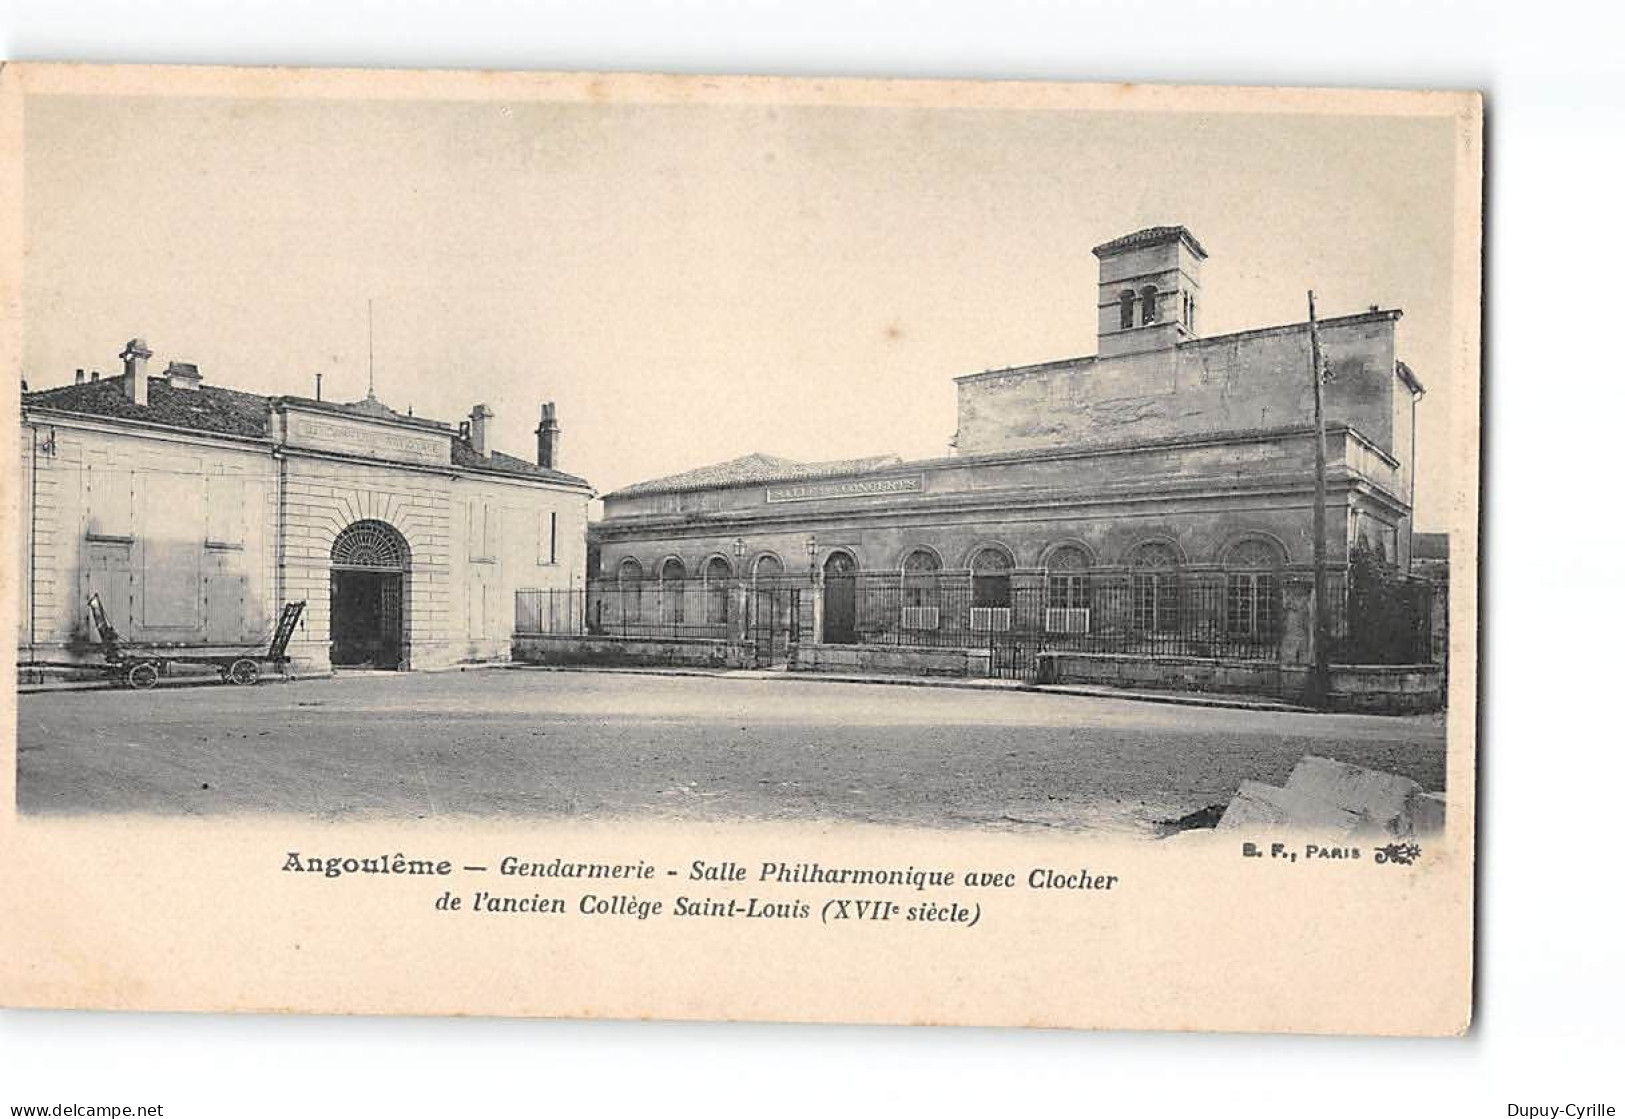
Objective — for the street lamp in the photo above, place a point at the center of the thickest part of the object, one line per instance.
(739, 586)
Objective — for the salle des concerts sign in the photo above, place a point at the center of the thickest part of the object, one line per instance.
(861, 487)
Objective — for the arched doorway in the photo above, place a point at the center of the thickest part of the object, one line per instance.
(840, 599)
(367, 629)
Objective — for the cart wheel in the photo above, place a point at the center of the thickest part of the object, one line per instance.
(245, 671)
(142, 676)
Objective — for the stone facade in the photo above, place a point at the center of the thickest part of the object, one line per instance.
(195, 512)
(1195, 450)
(1202, 496)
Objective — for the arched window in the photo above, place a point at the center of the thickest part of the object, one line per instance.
(990, 590)
(1253, 590)
(768, 567)
(840, 565)
(718, 576)
(1148, 305)
(672, 577)
(373, 545)
(990, 578)
(629, 589)
(1156, 587)
(1066, 579)
(1125, 310)
(922, 589)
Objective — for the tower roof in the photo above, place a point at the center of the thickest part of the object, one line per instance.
(1153, 235)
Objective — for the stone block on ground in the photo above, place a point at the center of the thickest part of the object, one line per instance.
(1427, 813)
(1382, 800)
(1259, 805)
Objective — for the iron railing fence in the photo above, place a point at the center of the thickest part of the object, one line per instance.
(689, 609)
(561, 611)
(1227, 614)
(1380, 620)
(1175, 614)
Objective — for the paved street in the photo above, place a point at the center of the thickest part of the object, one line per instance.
(531, 743)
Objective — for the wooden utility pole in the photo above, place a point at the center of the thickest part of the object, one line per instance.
(1319, 671)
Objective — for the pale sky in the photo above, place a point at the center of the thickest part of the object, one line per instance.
(695, 282)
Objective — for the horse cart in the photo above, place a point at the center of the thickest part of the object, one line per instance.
(141, 667)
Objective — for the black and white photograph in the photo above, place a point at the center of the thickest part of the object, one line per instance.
(740, 549)
(953, 558)
(993, 467)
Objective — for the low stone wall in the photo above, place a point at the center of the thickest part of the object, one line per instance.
(612, 651)
(1199, 674)
(890, 660)
(1386, 689)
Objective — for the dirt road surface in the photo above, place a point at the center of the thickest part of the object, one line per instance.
(528, 743)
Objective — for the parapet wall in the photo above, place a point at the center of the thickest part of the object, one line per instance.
(1235, 382)
(632, 651)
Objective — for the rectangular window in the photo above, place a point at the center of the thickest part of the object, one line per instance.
(716, 603)
(921, 617)
(553, 537)
(1156, 603)
(109, 498)
(991, 591)
(671, 602)
(1250, 604)
(225, 511)
(482, 531)
(172, 529)
(1068, 592)
(1068, 604)
(108, 576)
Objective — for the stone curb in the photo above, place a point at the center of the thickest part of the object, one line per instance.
(1178, 699)
(1194, 699)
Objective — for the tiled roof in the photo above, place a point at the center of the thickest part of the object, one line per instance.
(219, 411)
(462, 454)
(752, 469)
(205, 408)
(1153, 235)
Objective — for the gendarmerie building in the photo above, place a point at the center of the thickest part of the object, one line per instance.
(1162, 487)
(194, 512)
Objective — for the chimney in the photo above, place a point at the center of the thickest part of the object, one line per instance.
(95, 375)
(135, 357)
(547, 439)
(78, 376)
(479, 430)
(183, 375)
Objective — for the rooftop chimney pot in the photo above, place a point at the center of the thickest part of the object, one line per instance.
(78, 376)
(183, 375)
(547, 438)
(479, 430)
(135, 357)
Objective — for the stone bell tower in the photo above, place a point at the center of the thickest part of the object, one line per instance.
(1150, 290)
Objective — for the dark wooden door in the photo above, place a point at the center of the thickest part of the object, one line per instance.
(840, 600)
(366, 619)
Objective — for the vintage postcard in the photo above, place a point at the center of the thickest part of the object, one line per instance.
(747, 548)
